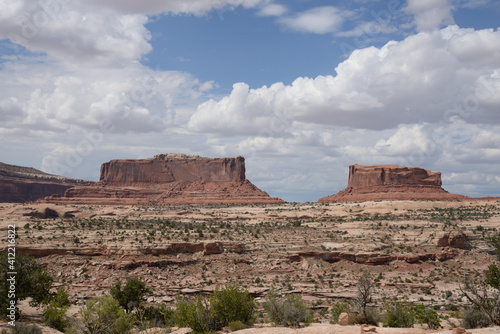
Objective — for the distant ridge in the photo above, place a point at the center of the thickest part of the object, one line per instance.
(20, 184)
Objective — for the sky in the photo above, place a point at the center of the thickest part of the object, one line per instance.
(302, 88)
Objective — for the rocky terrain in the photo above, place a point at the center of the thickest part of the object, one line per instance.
(420, 250)
(391, 182)
(169, 179)
(24, 184)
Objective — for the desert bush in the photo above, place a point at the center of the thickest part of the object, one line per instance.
(226, 305)
(55, 317)
(22, 328)
(427, 316)
(55, 314)
(399, 314)
(132, 293)
(483, 291)
(404, 315)
(158, 315)
(196, 315)
(475, 318)
(236, 325)
(103, 315)
(371, 316)
(32, 280)
(363, 313)
(289, 311)
(337, 309)
(232, 304)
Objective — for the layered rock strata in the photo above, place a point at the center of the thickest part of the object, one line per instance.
(391, 182)
(24, 184)
(169, 179)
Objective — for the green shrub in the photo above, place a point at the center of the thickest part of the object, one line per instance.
(55, 317)
(22, 328)
(55, 314)
(289, 311)
(427, 316)
(196, 315)
(103, 315)
(405, 315)
(158, 315)
(32, 280)
(371, 316)
(224, 306)
(232, 304)
(399, 314)
(475, 318)
(337, 309)
(236, 325)
(132, 293)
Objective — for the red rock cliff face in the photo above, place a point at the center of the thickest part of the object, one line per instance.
(171, 168)
(391, 175)
(24, 184)
(391, 182)
(169, 179)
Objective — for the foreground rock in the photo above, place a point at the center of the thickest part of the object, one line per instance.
(24, 184)
(391, 182)
(169, 179)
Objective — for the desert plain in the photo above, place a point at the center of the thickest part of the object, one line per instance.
(415, 250)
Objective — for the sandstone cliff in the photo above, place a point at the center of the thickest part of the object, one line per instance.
(164, 168)
(169, 179)
(391, 182)
(24, 184)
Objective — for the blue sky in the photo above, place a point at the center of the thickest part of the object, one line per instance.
(302, 89)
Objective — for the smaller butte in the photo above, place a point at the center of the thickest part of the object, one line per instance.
(169, 179)
(392, 182)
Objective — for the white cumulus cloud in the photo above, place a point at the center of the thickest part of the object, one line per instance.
(318, 20)
(272, 10)
(430, 14)
(424, 78)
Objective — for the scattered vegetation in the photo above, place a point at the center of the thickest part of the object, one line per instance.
(31, 280)
(103, 315)
(132, 293)
(55, 314)
(287, 311)
(227, 305)
(483, 292)
(22, 328)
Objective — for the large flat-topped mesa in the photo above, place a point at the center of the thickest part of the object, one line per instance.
(391, 182)
(173, 167)
(391, 175)
(169, 179)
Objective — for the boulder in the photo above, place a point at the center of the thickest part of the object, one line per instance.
(368, 329)
(459, 330)
(169, 179)
(391, 182)
(343, 319)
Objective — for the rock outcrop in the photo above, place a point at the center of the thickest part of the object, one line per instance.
(374, 258)
(205, 248)
(454, 239)
(24, 184)
(169, 179)
(391, 182)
